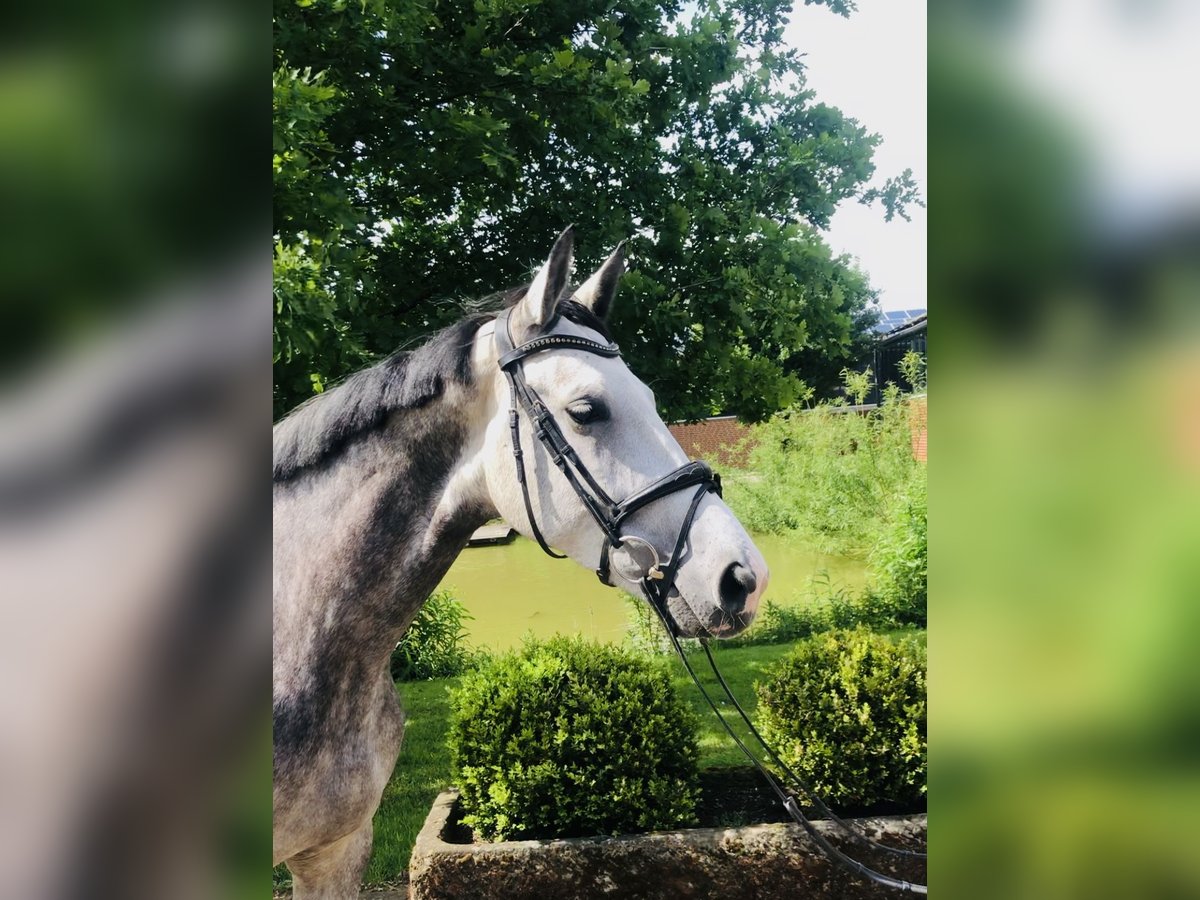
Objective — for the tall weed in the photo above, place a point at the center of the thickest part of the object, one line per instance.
(825, 607)
(914, 370)
(644, 630)
(827, 474)
(901, 558)
(435, 645)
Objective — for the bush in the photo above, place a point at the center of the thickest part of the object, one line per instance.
(901, 559)
(435, 644)
(846, 710)
(568, 738)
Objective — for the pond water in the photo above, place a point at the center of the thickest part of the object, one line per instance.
(515, 589)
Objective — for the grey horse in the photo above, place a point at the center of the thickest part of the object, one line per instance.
(378, 485)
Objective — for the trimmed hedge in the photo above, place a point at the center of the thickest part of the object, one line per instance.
(847, 711)
(566, 738)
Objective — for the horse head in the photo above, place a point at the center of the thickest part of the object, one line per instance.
(608, 420)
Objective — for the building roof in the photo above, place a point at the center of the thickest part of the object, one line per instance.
(896, 319)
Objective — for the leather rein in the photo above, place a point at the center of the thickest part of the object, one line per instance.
(656, 578)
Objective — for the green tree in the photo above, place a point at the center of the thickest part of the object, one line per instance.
(426, 153)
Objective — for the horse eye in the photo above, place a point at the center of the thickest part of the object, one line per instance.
(586, 412)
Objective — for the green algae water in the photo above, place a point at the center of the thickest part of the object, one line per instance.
(515, 589)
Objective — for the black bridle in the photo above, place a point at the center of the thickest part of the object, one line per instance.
(656, 579)
(609, 514)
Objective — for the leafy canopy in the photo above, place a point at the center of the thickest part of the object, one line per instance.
(426, 152)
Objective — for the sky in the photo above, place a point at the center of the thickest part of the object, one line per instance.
(871, 66)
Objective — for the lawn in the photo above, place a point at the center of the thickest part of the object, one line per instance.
(741, 666)
(422, 772)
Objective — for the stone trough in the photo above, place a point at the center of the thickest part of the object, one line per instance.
(755, 861)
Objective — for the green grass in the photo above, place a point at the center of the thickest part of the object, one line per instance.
(741, 666)
(422, 772)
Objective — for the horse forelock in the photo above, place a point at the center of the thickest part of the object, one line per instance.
(574, 311)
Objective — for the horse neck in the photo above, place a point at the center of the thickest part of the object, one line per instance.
(360, 544)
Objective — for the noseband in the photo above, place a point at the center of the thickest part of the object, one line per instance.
(658, 577)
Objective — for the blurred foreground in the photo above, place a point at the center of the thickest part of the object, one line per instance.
(134, 407)
(1065, 471)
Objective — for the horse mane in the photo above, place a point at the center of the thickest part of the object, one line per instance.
(321, 427)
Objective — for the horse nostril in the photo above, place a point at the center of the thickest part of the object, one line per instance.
(737, 583)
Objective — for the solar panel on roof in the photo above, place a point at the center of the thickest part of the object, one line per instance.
(892, 319)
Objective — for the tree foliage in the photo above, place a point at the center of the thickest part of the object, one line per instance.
(427, 152)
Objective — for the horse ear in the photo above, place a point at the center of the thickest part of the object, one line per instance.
(598, 291)
(540, 302)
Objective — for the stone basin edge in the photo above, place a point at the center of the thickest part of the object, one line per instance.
(430, 840)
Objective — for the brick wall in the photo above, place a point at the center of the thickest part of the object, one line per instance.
(719, 439)
(713, 439)
(919, 422)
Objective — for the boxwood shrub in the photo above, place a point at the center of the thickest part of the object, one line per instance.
(566, 738)
(846, 710)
